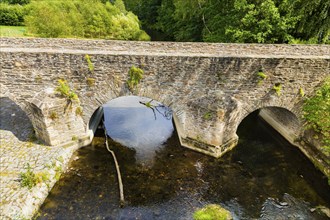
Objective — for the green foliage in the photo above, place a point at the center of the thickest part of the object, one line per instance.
(262, 76)
(314, 20)
(16, 2)
(135, 76)
(79, 111)
(207, 116)
(83, 18)
(38, 79)
(64, 90)
(246, 21)
(301, 92)
(28, 178)
(53, 115)
(90, 82)
(90, 64)
(316, 111)
(261, 22)
(147, 11)
(52, 19)
(12, 15)
(212, 212)
(181, 20)
(277, 88)
(120, 5)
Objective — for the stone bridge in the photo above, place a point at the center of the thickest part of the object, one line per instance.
(211, 88)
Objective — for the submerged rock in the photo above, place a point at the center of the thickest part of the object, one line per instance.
(322, 209)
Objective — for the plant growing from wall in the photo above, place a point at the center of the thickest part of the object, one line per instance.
(316, 112)
(277, 88)
(90, 82)
(135, 76)
(207, 116)
(53, 115)
(90, 64)
(38, 79)
(301, 92)
(64, 90)
(262, 76)
(28, 178)
(79, 111)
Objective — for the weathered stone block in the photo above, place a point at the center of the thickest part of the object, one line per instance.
(54, 118)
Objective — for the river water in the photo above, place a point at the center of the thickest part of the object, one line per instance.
(264, 177)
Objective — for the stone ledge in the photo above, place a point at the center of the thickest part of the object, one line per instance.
(214, 151)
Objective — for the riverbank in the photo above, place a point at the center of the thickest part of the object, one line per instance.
(18, 150)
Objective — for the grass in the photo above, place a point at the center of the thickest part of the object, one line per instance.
(12, 31)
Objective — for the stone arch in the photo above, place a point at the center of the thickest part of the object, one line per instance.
(95, 117)
(284, 120)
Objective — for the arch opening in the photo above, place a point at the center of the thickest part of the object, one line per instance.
(283, 121)
(136, 122)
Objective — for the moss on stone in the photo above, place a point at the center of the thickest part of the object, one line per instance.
(212, 212)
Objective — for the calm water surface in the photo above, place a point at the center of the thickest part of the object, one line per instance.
(264, 177)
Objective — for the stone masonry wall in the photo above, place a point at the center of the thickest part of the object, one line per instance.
(210, 87)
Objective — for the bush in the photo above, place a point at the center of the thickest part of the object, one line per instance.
(11, 15)
(83, 18)
(212, 212)
(15, 2)
(28, 178)
(135, 76)
(317, 113)
(64, 90)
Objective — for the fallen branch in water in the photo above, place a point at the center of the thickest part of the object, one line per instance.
(120, 182)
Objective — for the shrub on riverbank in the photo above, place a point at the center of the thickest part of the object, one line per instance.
(316, 111)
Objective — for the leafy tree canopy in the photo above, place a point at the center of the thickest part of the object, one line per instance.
(16, 2)
(83, 18)
(246, 21)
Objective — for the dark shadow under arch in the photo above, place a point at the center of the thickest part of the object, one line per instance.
(14, 119)
(285, 122)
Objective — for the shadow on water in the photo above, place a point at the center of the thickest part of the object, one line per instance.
(14, 119)
(262, 178)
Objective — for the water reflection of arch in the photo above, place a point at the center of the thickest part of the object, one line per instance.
(98, 113)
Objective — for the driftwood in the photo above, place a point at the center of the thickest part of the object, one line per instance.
(120, 182)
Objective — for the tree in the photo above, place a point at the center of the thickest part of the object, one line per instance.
(314, 19)
(245, 21)
(83, 18)
(16, 2)
(178, 22)
(261, 22)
